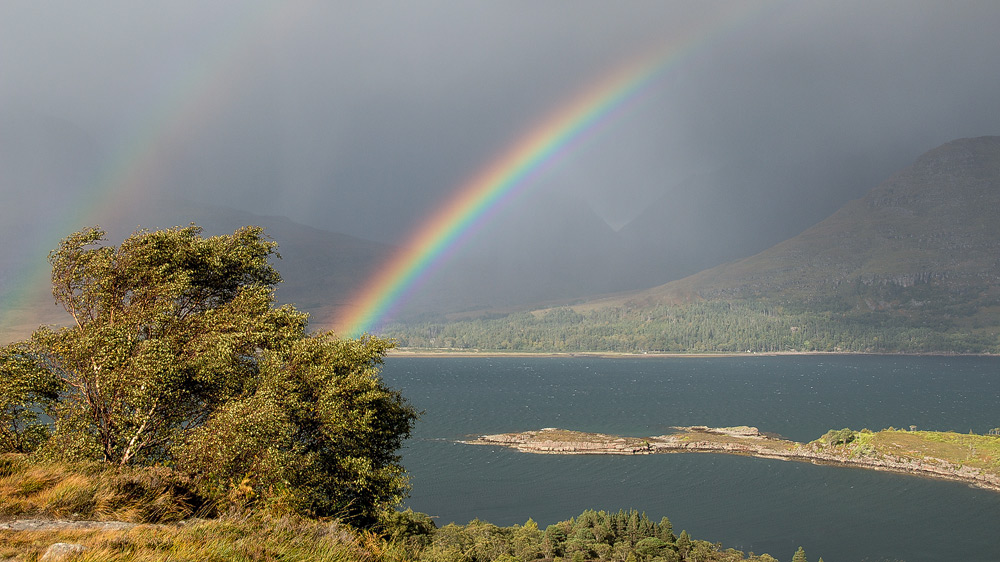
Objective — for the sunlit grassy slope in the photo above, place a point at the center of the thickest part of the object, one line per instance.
(167, 520)
(965, 449)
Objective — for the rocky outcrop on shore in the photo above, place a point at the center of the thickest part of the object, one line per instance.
(737, 431)
(741, 440)
(554, 441)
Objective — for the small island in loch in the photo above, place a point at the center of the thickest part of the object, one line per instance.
(970, 458)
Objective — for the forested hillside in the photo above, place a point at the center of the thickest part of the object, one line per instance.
(911, 267)
(711, 326)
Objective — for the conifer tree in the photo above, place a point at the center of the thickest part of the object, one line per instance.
(666, 531)
(684, 543)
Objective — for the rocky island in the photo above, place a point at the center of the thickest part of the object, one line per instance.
(969, 458)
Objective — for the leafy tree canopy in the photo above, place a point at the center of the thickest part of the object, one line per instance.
(177, 355)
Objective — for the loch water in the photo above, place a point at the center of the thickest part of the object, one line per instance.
(759, 505)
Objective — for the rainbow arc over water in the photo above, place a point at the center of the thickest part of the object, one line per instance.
(507, 175)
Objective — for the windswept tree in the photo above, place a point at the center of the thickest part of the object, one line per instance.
(177, 354)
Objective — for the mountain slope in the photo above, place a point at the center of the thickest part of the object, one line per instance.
(914, 265)
(724, 214)
(934, 223)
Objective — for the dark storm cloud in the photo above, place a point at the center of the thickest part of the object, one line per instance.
(364, 117)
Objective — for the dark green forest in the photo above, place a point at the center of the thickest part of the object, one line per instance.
(734, 326)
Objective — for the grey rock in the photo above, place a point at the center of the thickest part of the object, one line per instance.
(61, 524)
(62, 551)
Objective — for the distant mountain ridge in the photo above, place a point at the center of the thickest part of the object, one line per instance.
(936, 222)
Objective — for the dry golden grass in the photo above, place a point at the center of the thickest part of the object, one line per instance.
(250, 539)
(93, 491)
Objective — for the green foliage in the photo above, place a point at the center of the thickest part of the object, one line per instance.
(165, 328)
(684, 543)
(799, 556)
(177, 356)
(321, 431)
(839, 436)
(26, 392)
(651, 546)
(594, 535)
(408, 527)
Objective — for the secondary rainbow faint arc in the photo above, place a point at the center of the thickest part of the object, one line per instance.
(175, 115)
(508, 174)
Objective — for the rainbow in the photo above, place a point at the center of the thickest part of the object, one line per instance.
(511, 173)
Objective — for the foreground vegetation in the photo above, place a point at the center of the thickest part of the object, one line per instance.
(168, 527)
(292, 539)
(177, 360)
(251, 538)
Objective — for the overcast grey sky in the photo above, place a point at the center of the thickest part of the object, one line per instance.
(363, 117)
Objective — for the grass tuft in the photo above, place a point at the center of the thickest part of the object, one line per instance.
(95, 491)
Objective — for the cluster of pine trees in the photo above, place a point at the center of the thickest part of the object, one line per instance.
(625, 536)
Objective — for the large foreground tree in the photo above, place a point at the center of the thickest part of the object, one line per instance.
(177, 355)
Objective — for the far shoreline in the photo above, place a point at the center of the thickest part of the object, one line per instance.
(466, 353)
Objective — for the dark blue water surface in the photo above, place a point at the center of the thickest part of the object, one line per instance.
(749, 504)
